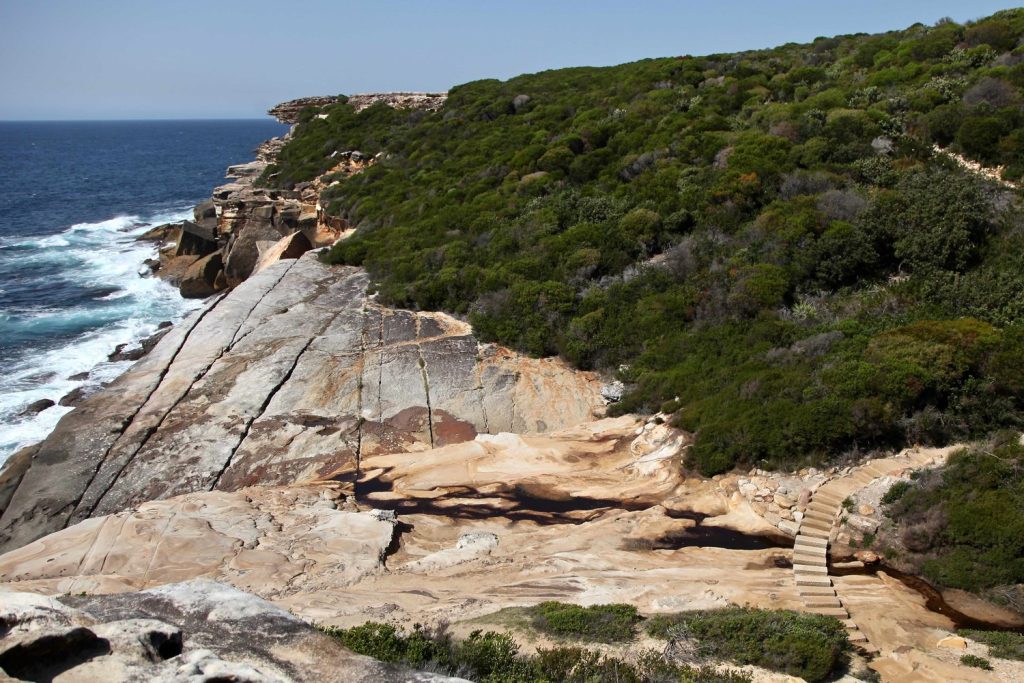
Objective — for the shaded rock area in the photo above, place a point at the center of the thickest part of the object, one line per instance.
(293, 376)
(505, 521)
(197, 631)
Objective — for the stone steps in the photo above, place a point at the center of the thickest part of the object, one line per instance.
(855, 635)
(822, 601)
(806, 580)
(828, 496)
(812, 560)
(806, 591)
(839, 612)
(810, 569)
(819, 531)
(825, 517)
(806, 540)
(821, 506)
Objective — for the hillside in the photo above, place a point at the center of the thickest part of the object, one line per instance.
(764, 244)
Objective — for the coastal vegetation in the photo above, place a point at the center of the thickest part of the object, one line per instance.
(962, 526)
(764, 244)
(810, 646)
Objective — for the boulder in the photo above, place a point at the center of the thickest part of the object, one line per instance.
(37, 407)
(291, 247)
(952, 643)
(197, 631)
(73, 397)
(861, 524)
(200, 280)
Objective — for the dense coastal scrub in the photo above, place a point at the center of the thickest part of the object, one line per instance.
(810, 646)
(962, 526)
(762, 243)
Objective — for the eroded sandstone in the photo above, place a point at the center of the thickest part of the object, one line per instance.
(292, 376)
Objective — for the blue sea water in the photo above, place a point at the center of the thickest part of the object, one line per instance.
(73, 197)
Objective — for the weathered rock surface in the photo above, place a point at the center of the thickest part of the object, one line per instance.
(186, 632)
(273, 541)
(290, 247)
(292, 376)
(200, 280)
(480, 547)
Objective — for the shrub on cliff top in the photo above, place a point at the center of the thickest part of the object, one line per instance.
(603, 623)
(805, 645)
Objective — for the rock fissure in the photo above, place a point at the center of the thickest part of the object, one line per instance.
(131, 418)
(263, 409)
(426, 381)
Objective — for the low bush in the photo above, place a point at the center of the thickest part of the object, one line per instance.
(805, 645)
(976, 661)
(1001, 644)
(895, 492)
(601, 623)
(962, 525)
(495, 658)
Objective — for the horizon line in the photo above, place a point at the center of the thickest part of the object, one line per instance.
(139, 120)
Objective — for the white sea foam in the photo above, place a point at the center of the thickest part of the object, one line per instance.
(104, 255)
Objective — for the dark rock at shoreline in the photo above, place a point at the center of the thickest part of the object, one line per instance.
(79, 377)
(122, 352)
(73, 397)
(37, 407)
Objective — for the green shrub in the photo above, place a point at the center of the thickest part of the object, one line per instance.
(601, 623)
(963, 525)
(700, 220)
(494, 658)
(1001, 644)
(975, 661)
(895, 492)
(804, 645)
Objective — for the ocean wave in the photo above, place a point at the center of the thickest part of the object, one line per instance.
(101, 256)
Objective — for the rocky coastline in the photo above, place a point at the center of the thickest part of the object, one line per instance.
(309, 456)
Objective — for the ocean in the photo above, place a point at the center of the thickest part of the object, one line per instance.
(73, 198)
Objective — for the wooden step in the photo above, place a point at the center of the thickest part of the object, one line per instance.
(805, 540)
(810, 569)
(809, 580)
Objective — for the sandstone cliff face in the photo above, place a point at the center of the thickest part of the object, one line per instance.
(294, 375)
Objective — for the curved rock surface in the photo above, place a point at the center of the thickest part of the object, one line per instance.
(293, 375)
(186, 632)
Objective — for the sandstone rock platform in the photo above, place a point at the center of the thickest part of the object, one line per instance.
(292, 376)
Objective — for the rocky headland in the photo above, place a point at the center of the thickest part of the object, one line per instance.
(296, 453)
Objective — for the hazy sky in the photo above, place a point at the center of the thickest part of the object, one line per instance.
(111, 59)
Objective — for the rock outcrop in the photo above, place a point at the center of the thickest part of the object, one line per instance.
(288, 112)
(294, 375)
(187, 632)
